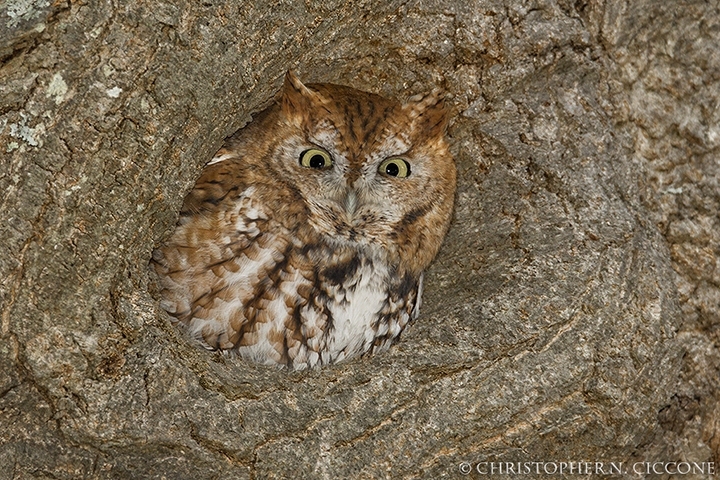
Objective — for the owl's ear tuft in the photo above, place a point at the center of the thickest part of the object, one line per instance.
(428, 113)
(297, 99)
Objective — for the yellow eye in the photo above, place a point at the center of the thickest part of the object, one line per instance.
(395, 167)
(316, 158)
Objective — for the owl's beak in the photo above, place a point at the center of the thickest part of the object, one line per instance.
(351, 201)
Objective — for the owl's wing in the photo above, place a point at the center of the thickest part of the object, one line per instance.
(218, 258)
(218, 185)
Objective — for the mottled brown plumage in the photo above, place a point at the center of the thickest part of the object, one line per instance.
(305, 239)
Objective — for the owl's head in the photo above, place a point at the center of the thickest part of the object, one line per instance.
(373, 172)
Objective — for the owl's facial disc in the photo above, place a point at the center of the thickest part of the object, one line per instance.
(357, 194)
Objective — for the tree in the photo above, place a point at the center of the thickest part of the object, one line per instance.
(570, 316)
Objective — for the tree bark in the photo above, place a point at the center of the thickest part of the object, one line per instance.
(572, 314)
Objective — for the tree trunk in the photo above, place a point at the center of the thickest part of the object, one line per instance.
(572, 314)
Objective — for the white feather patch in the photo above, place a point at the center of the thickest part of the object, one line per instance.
(220, 158)
(352, 319)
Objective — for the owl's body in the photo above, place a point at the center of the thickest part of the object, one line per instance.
(305, 240)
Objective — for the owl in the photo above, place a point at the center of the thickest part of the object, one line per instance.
(305, 239)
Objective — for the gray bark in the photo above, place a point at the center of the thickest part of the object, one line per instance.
(571, 315)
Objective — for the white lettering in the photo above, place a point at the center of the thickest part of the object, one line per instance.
(639, 472)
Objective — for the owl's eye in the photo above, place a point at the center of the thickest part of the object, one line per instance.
(395, 167)
(316, 158)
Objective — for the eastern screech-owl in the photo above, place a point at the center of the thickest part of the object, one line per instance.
(304, 241)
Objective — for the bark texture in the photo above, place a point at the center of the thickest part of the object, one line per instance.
(572, 314)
